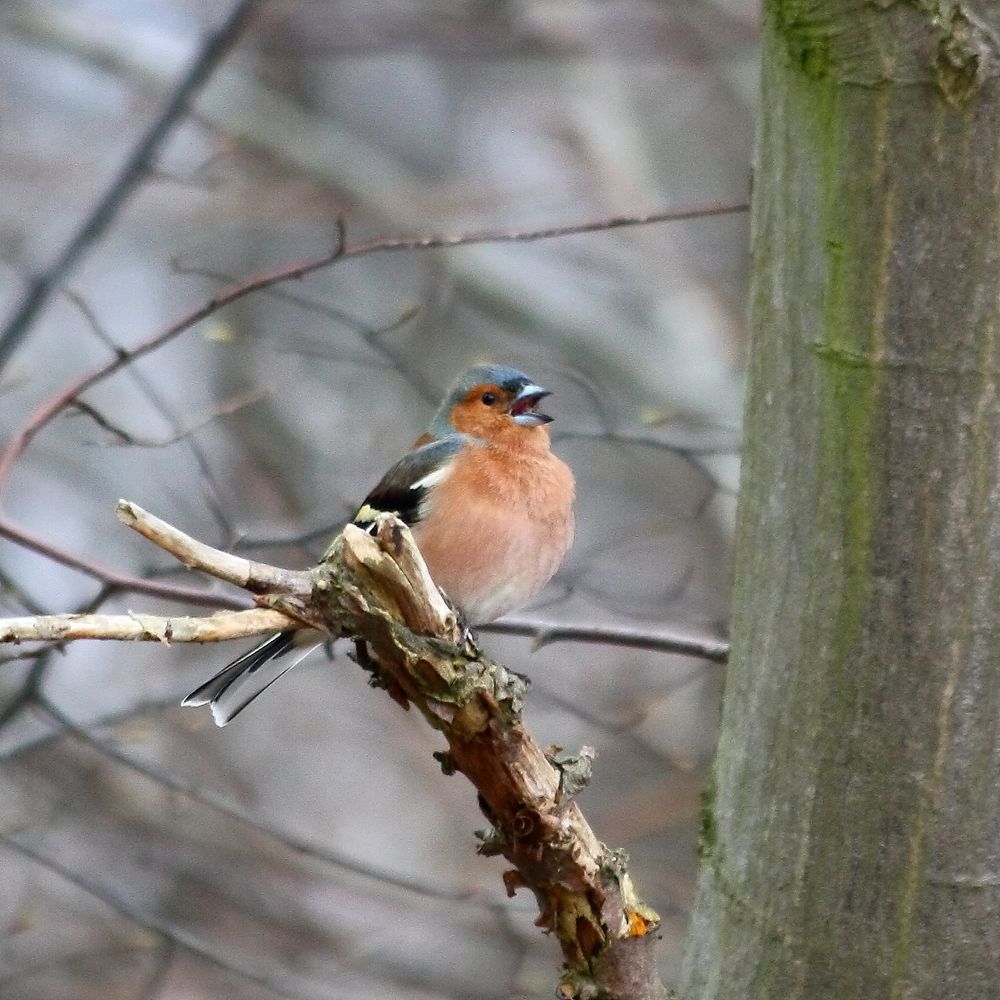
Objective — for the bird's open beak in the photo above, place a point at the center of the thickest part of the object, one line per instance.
(523, 409)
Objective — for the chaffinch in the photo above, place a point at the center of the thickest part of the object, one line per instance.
(489, 504)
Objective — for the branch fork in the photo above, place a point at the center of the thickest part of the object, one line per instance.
(376, 590)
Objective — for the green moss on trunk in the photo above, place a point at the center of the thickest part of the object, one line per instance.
(855, 792)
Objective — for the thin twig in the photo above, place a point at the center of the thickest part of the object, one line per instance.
(702, 210)
(546, 633)
(129, 439)
(112, 578)
(135, 627)
(49, 410)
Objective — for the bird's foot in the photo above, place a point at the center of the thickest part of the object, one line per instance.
(466, 637)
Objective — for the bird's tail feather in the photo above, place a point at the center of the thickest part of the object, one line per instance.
(249, 675)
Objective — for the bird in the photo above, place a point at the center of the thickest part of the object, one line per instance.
(490, 506)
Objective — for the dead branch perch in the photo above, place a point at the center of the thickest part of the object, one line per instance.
(258, 578)
(376, 590)
(146, 628)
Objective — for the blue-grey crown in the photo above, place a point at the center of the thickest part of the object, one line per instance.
(509, 379)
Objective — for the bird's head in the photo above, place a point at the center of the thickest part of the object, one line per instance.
(491, 402)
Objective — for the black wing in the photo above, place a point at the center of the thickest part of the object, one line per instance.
(400, 492)
(248, 663)
(403, 488)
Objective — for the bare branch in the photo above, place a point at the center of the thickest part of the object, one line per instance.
(258, 578)
(255, 577)
(146, 628)
(703, 210)
(545, 633)
(583, 890)
(49, 410)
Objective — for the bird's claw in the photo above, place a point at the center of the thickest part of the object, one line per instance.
(466, 637)
(469, 640)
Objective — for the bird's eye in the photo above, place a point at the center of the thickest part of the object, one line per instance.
(489, 398)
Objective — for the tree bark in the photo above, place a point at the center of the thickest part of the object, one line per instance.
(851, 833)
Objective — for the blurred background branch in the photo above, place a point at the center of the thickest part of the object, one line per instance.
(132, 173)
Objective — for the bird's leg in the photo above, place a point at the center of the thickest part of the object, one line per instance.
(469, 639)
(466, 637)
(362, 658)
(377, 678)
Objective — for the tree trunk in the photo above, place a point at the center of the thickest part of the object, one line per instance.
(851, 834)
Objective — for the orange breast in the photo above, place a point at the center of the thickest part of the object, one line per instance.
(497, 528)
